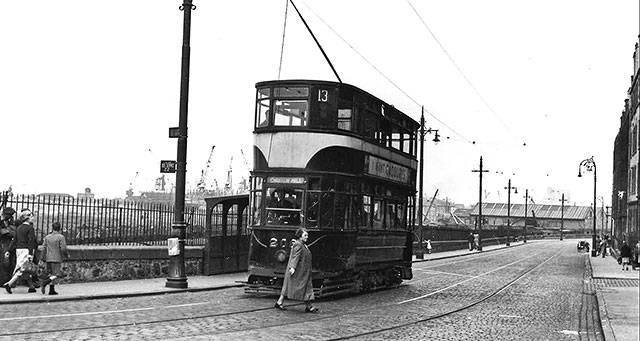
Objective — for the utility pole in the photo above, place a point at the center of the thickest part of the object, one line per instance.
(526, 201)
(436, 139)
(508, 188)
(480, 171)
(420, 254)
(177, 275)
(562, 216)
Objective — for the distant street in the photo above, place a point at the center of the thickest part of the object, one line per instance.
(539, 290)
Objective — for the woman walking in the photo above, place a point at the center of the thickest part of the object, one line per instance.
(297, 279)
(25, 245)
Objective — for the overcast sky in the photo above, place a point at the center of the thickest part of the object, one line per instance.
(88, 89)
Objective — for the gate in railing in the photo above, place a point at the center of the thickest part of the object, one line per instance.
(226, 242)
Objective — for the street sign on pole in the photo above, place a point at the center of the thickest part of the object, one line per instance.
(168, 166)
(174, 132)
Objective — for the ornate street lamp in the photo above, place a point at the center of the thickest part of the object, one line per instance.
(590, 166)
(436, 139)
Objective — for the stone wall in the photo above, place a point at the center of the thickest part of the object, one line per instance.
(102, 263)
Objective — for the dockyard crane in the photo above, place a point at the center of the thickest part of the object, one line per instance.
(245, 182)
(202, 184)
(130, 190)
(228, 187)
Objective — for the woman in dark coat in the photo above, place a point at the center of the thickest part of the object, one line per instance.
(297, 279)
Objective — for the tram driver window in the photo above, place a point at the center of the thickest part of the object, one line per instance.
(283, 206)
(293, 113)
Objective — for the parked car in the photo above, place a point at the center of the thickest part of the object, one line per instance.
(583, 244)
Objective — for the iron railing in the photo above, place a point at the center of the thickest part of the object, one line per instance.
(87, 221)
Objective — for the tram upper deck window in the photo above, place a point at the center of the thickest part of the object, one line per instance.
(262, 107)
(291, 113)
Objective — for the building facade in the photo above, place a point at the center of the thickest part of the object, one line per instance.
(626, 165)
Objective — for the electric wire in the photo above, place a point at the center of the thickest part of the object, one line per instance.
(383, 75)
(459, 69)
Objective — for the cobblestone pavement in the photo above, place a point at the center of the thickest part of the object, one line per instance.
(554, 300)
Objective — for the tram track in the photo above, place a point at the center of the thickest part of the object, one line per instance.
(303, 318)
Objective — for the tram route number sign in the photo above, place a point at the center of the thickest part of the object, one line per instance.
(168, 166)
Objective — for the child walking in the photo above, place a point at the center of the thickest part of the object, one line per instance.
(54, 248)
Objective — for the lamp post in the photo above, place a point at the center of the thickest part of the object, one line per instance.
(590, 166)
(508, 188)
(436, 139)
(177, 275)
(480, 171)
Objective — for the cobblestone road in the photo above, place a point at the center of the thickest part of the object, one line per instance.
(539, 291)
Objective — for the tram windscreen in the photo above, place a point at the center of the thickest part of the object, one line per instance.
(283, 206)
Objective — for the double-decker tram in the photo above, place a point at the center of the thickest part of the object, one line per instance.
(340, 162)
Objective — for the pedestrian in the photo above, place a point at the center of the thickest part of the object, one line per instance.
(54, 248)
(428, 242)
(7, 256)
(297, 283)
(603, 247)
(597, 246)
(476, 241)
(625, 253)
(470, 239)
(24, 243)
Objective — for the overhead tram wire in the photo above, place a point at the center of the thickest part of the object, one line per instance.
(460, 70)
(383, 75)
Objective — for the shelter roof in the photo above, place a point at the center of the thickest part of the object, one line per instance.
(540, 211)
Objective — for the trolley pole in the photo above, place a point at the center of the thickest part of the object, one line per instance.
(480, 171)
(177, 275)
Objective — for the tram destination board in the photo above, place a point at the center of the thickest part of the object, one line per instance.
(168, 166)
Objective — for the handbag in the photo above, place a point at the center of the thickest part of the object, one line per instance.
(619, 260)
(29, 268)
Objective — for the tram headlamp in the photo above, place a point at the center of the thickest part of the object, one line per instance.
(281, 256)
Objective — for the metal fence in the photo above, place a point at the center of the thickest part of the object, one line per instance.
(108, 222)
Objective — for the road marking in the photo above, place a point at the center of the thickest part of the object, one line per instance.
(102, 312)
(444, 273)
(570, 332)
(511, 316)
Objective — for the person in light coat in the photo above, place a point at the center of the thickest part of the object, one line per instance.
(297, 279)
(25, 244)
(54, 248)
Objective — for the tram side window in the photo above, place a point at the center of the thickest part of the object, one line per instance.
(293, 113)
(395, 216)
(256, 203)
(313, 205)
(262, 108)
(396, 141)
(344, 119)
(406, 143)
(366, 214)
(377, 221)
(283, 206)
(326, 209)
